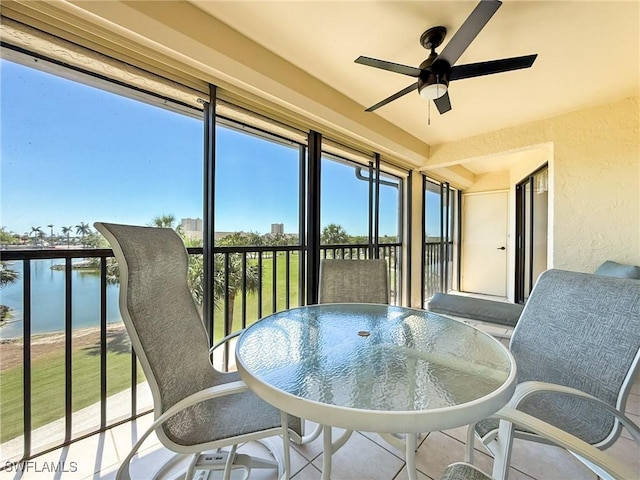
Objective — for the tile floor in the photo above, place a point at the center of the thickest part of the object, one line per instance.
(365, 456)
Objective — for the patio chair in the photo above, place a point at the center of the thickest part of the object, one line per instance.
(350, 281)
(353, 281)
(196, 407)
(510, 419)
(577, 350)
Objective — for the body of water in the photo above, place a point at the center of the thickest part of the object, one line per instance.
(48, 299)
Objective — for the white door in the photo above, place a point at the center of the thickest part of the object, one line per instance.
(484, 243)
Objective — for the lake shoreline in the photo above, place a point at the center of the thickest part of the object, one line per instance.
(11, 349)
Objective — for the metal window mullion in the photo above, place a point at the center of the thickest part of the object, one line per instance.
(531, 231)
(441, 253)
(260, 284)
(313, 215)
(459, 238)
(302, 221)
(447, 249)
(244, 290)
(228, 321)
(26, 357)
(407, 227)
(274, 280)
(103, 342)
(288, 279)
(371, 220)
(423, 248)
(68, 333)
(376, 208)
(518, 266)
(208, 238)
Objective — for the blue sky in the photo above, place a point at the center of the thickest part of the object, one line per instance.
(73, 153)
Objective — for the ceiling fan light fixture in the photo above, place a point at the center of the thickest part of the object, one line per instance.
(432, 91)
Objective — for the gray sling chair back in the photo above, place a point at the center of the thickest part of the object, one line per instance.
(196, 407)
(353, 281)
(577, 350)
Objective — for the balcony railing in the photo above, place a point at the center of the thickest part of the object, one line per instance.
(252, 282)
(437, 267)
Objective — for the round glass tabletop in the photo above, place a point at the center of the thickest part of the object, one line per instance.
(376, 367)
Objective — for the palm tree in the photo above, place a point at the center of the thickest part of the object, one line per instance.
(51, 227)
(7, 277)
(334, 234)
(37, 233)
(163, 221)
(254, 239)
(195, 278)
(235, 283)
(67, 231)
(83, 230)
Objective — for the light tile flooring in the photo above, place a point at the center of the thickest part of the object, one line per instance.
(365, 456)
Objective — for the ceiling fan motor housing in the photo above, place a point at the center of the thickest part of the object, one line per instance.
(433, 81)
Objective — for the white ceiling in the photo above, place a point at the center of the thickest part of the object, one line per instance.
(588, 54)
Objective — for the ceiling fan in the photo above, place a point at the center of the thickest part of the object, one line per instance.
(435, 73)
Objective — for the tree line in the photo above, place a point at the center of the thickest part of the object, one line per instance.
(332, 234)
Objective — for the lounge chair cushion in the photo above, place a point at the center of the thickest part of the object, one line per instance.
(620, 270)
(476, 308)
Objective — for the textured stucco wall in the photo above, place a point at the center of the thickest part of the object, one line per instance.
(594, 180)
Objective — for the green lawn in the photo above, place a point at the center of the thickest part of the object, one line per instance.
(47, 372)
(48, 387)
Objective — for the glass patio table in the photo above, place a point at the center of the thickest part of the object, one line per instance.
(375, 368)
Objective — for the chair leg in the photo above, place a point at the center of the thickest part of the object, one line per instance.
(312, 436)
(229, 463)
(470, 443)
(191, 468)
(502, 458)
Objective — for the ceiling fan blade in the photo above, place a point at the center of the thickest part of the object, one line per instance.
(469, 30)
(494, 66)
(390, 66)
(393, 97)
(443, 103)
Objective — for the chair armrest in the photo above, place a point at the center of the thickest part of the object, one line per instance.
(231, 336)
(509, 417)
(527, 389)
(198, 397)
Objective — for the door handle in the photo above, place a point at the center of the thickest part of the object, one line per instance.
(502, 248)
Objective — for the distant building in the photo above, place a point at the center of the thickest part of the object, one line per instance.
(277, 228)
(192, 227)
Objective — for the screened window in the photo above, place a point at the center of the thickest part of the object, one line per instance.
(348, 204)
(73, 153)
(441, 220)
(257, 207)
